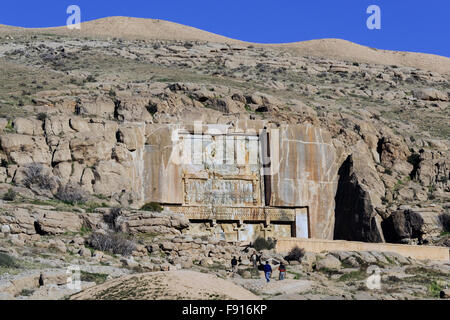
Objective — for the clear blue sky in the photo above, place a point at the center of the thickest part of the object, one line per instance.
(407, 25)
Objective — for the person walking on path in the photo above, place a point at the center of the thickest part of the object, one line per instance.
(282, 270)
(234, 263)
(267, 271)
(254, 260)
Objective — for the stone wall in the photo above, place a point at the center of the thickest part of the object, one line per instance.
(284, 245)
(307, 176)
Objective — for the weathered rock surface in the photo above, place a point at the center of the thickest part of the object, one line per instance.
(358, 195)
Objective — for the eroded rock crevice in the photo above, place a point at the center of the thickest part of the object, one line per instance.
(354, 212)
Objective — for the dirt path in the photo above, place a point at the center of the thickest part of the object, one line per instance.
(275, 287)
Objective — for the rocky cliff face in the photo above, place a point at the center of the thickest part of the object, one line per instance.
(357, 143)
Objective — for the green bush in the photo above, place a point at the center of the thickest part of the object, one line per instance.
(152, 206)
(42, 116)
(10, 195)
(98, 278)
(434, 289)
(7, 261)
(26, 292)
(261, 244)
(90, 78)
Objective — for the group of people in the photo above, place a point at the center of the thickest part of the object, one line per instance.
(267, 268)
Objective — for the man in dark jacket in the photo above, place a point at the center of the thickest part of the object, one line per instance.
(234, 263)
(267, 271)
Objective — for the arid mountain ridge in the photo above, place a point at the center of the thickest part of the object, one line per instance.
(140, 28)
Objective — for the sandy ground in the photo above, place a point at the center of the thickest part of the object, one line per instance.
(139, 28)
(182, 284)
(276, 287)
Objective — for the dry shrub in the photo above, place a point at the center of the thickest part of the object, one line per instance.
(115, 243)
(111, 218)
(261, 244)
(35, 176)
(71, 193)
(152, 206)
(296, 254)
(10, 195)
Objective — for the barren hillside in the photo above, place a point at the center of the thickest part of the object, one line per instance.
(172, 285)
(139, 28)
(86, 117)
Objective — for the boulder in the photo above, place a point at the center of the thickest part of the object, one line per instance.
(24, 149)
(18, 220)
(330, 262)
(444, 294)
(130, 263)
(28, 126)
(352, 262)
(85, 252)
(56, 222)
(402, 225)
(430, 94)
(206, 262)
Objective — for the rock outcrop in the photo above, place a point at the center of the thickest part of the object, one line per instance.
(358, 196)
(111, 134)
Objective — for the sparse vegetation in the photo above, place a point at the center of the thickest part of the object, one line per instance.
(296, 254)
(115, 243)
(41, 116)
(98, 278)
(26, 292)
(112, 216)
(152, 206)
(35, 176)
(434, 289)
(10, 195)
(90, 78)
(261, 244)
(6, 261)
(367, 103)
(354, 275)
(71, 194)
